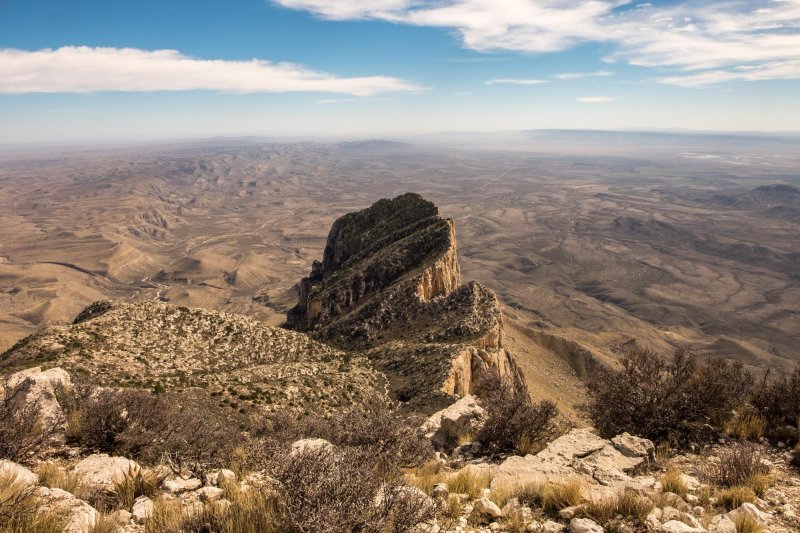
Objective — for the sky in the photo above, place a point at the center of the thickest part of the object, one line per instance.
(110, 70)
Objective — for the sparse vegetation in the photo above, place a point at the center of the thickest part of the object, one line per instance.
(557, 496)
(20, 511)
(746, 524)
(740, 465)
(733, 497)
(54, 476)
(747, 424)
(778, 401)
(468, 481)
(626, 504)
(666, 400)
(515, 423)
(672, 481)
(21, 431)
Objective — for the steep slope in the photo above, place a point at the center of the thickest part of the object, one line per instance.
(390, 284)
(243, 362)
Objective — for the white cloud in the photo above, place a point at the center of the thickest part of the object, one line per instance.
(692, 35)
(515, 81)
(581, 75)
(82, 69)
(595, 99)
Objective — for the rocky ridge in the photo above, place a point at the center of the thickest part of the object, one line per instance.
(389, 284)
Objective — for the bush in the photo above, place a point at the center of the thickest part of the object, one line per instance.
(666, 400)
(514, 422)
(325, 490)
(21, 433)
(778, 401)
(738, 465)
(151, 428)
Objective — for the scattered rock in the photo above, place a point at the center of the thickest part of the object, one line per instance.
(631, 446)
(440, 491)
(18, 472)
(81, 517)
(311, 445)
(142, 509)
(210, 494)
(37, 389)
(584, 525)
(721, 524)
(552, 527)
(179, 485)
(225, 476)
(676, 526)
(484, 510)
(101, 471)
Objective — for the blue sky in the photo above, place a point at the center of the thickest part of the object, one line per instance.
(105, 70)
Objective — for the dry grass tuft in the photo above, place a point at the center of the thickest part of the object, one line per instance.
(20, 511)
(747, 424)
(468, 482)
(166, 517)
(426, 476)
(747, 524)
(55, 477)
(673, 482)
(557, 497)
(526, 492)
(733, 497)
(626, 504)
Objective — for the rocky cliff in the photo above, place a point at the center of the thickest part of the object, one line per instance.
(389, 284)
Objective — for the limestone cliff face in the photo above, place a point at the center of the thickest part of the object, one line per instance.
(444, 275)
(390, 283)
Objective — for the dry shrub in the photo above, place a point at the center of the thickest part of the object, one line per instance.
(341, 490)
(796, 457)
(738, 465)
(747, 424)
(733, 497)
(666, 400)
(148, 427)
(778, 401)
(745, 523)
(20, 511)
(21, 432)
(672, 481)
(55, 477)
(468, 481)
(515, 423)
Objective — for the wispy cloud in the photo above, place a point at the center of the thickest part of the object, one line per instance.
(581, 75)
(595, 99)
(515, 81)
(82, 69)
(716, 39)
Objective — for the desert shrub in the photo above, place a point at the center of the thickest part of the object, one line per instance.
(795, 461)
(20, 511)
(738, 465)
(666, 400)
(337, 490)
(733, 497)
(152, 427)
(515, 423)
(21, 431)
(128, 488)
(778, 401)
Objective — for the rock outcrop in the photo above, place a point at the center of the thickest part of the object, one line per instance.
(389, 283)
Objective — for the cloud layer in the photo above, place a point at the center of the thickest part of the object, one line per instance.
(711, 41)
(82, 69)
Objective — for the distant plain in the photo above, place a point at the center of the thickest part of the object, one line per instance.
(591, 240)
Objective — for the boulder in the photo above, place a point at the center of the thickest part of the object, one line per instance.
(311, 445)
(81, 517)
(101, 471)
(485, 510)
(631, 446)
(750, 509)
(721, 524)
(142, 509)
(18, 473)
(552, 527)
(671, 514)
(676, 526)
(178, 485)
(513, 510)
(36, 389)
(584, 525)
(463, 417)
(210, 494)
(225, 476)
(579, 454)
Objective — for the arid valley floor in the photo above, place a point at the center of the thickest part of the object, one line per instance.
(590, 240)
